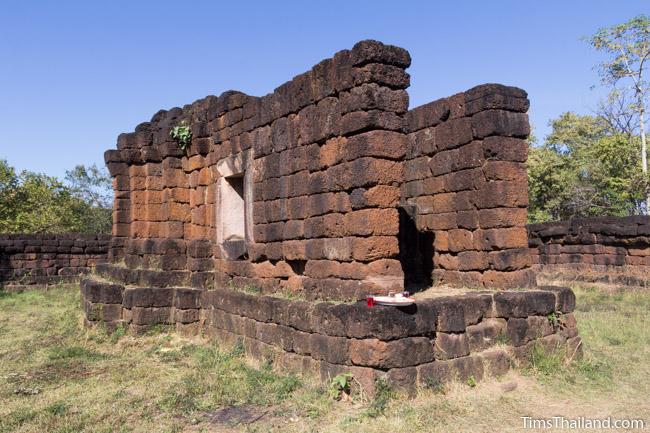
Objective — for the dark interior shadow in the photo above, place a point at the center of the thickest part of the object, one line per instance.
(415, 252)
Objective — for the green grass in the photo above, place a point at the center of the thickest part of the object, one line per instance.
(56, 376)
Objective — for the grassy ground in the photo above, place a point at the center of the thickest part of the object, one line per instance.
(55, 376)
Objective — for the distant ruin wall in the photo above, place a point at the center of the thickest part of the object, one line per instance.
(601, 249)
(29, 259)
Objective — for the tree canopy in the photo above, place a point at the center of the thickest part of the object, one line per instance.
(36, 203)
(592, 165)
(584, 168)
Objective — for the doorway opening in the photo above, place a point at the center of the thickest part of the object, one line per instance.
(415, 251)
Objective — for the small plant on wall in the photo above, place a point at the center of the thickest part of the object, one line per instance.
(182, 134)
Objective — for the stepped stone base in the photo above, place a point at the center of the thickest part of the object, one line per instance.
(436, 340)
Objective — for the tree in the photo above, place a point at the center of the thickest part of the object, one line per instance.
(36, 203)
(615, 110)
(584, 168)
(624, 72)
(93, 186)
(8, 192)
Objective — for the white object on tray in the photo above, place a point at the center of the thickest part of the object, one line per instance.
(398, 300)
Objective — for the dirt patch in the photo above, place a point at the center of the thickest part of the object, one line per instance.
(236, 415)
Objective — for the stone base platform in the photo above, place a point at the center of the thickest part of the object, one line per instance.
(436, 340)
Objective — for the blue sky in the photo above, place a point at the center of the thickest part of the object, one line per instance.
(74, 74)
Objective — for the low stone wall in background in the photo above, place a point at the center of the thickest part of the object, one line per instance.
(39, 259)
(602, 249)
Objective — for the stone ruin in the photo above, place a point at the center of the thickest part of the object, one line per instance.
(603, 250)
(331, 189)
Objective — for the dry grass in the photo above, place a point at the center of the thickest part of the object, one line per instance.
(55, 376)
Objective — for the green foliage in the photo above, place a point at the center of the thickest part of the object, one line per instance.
(552, 365)
(182, 134)
(36, 203)
(584, 168)
(471, 382)
(434, 384)
(553, 320)
(546, 362)
(157, 329)
(628, 47)
(17, 418)
(502, 338)
(340, 385)
(249, 288)
(69, 352)
(592, 165)
(9, 197)
(57, 409)
(118, 333)
(627, 50)
(383, 396)
(92, 184)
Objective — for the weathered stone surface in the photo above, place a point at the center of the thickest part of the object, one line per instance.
(187, 298)
(365, 378)
(449, 346)
(148, 297)
(40, 259)
(485, 334)
(450, 314)
(336, 139)
(99, 292)
(495, 96)
(388, 323)
(460, 369)
(151, 315)
(496, 362)
(427, 115)
(523, 304)
(499, 122)
(330, 349)
(517, 331)
(186, 316)
(370, 51)
(397, 353)
(403, 380)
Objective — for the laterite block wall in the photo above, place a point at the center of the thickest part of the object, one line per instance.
(320, 158)
(465, 182)
(435, 341)
(27, 259)
(601, 249)
(334, 178)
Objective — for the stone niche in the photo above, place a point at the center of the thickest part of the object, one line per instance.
(330, 188)
(234, 206)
